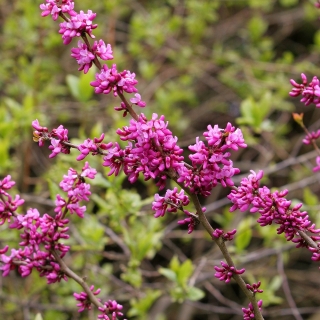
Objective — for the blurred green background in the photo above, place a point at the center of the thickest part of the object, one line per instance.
(198, 62)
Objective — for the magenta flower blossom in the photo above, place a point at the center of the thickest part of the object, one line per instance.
(84, 301)
(254, 288)
(311, 136)
(78, 24)
(8, 206)
(110, 80)
(58, 137)
(111, 307)
(83, 56)
(273, 208)
(54, 8)
(8, 261)
(191, 220)
(6, 184)
(94, 146)
(310, 92)
(248, 314)
(171, 202)
(42, 234)
(225, 273)
(151, 150)
(243, 196)
(88, 172)
(4, 250)
(211, 164)
(228, 236)
(102, 50)
(137, 100)
(317, 167)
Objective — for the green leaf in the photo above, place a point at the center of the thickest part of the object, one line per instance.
(73, 84)
(132, 276)
(309, 197)
(169, 274)
(195, 294)
(184, 272)
(141, 307)
(244, 234)
(175, 264)
(85, 90)
(254, 112)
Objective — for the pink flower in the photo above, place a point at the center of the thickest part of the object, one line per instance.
(82, 22)
(225, 273)
(137, 100)
(317, 167)
(243, 196)
(248, 314)
(83, 56)
(310, 92)
(228, 236)
(84, 301)
(102, 50)
(6, 184)
(254, 288)
(110, 80)
(311, 136)
(53, 7)
(171, 202)
(111, 307)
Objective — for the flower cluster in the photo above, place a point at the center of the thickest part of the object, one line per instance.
(274, 208)
(171, 202)
(109, 79)
(211, 164)
(78, 25)
(191, 220)
(310, 92)
(85, 57)
(8, 205)
(54, 8)
(94, 147)
(254, 287)
(58, 138)
(84, 301)
(248, 314)
(41, 235)
(311, 136)
(228, 236)
(151, 150)
(226, 272)
(110, 307)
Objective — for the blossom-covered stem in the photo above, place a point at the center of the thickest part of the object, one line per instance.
(95, 60)
(223, 248)
(3, 200)
(71, 274)
(128, 106)
(237, 277)
(315, 146)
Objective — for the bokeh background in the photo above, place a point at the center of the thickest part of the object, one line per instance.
(198, 62)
